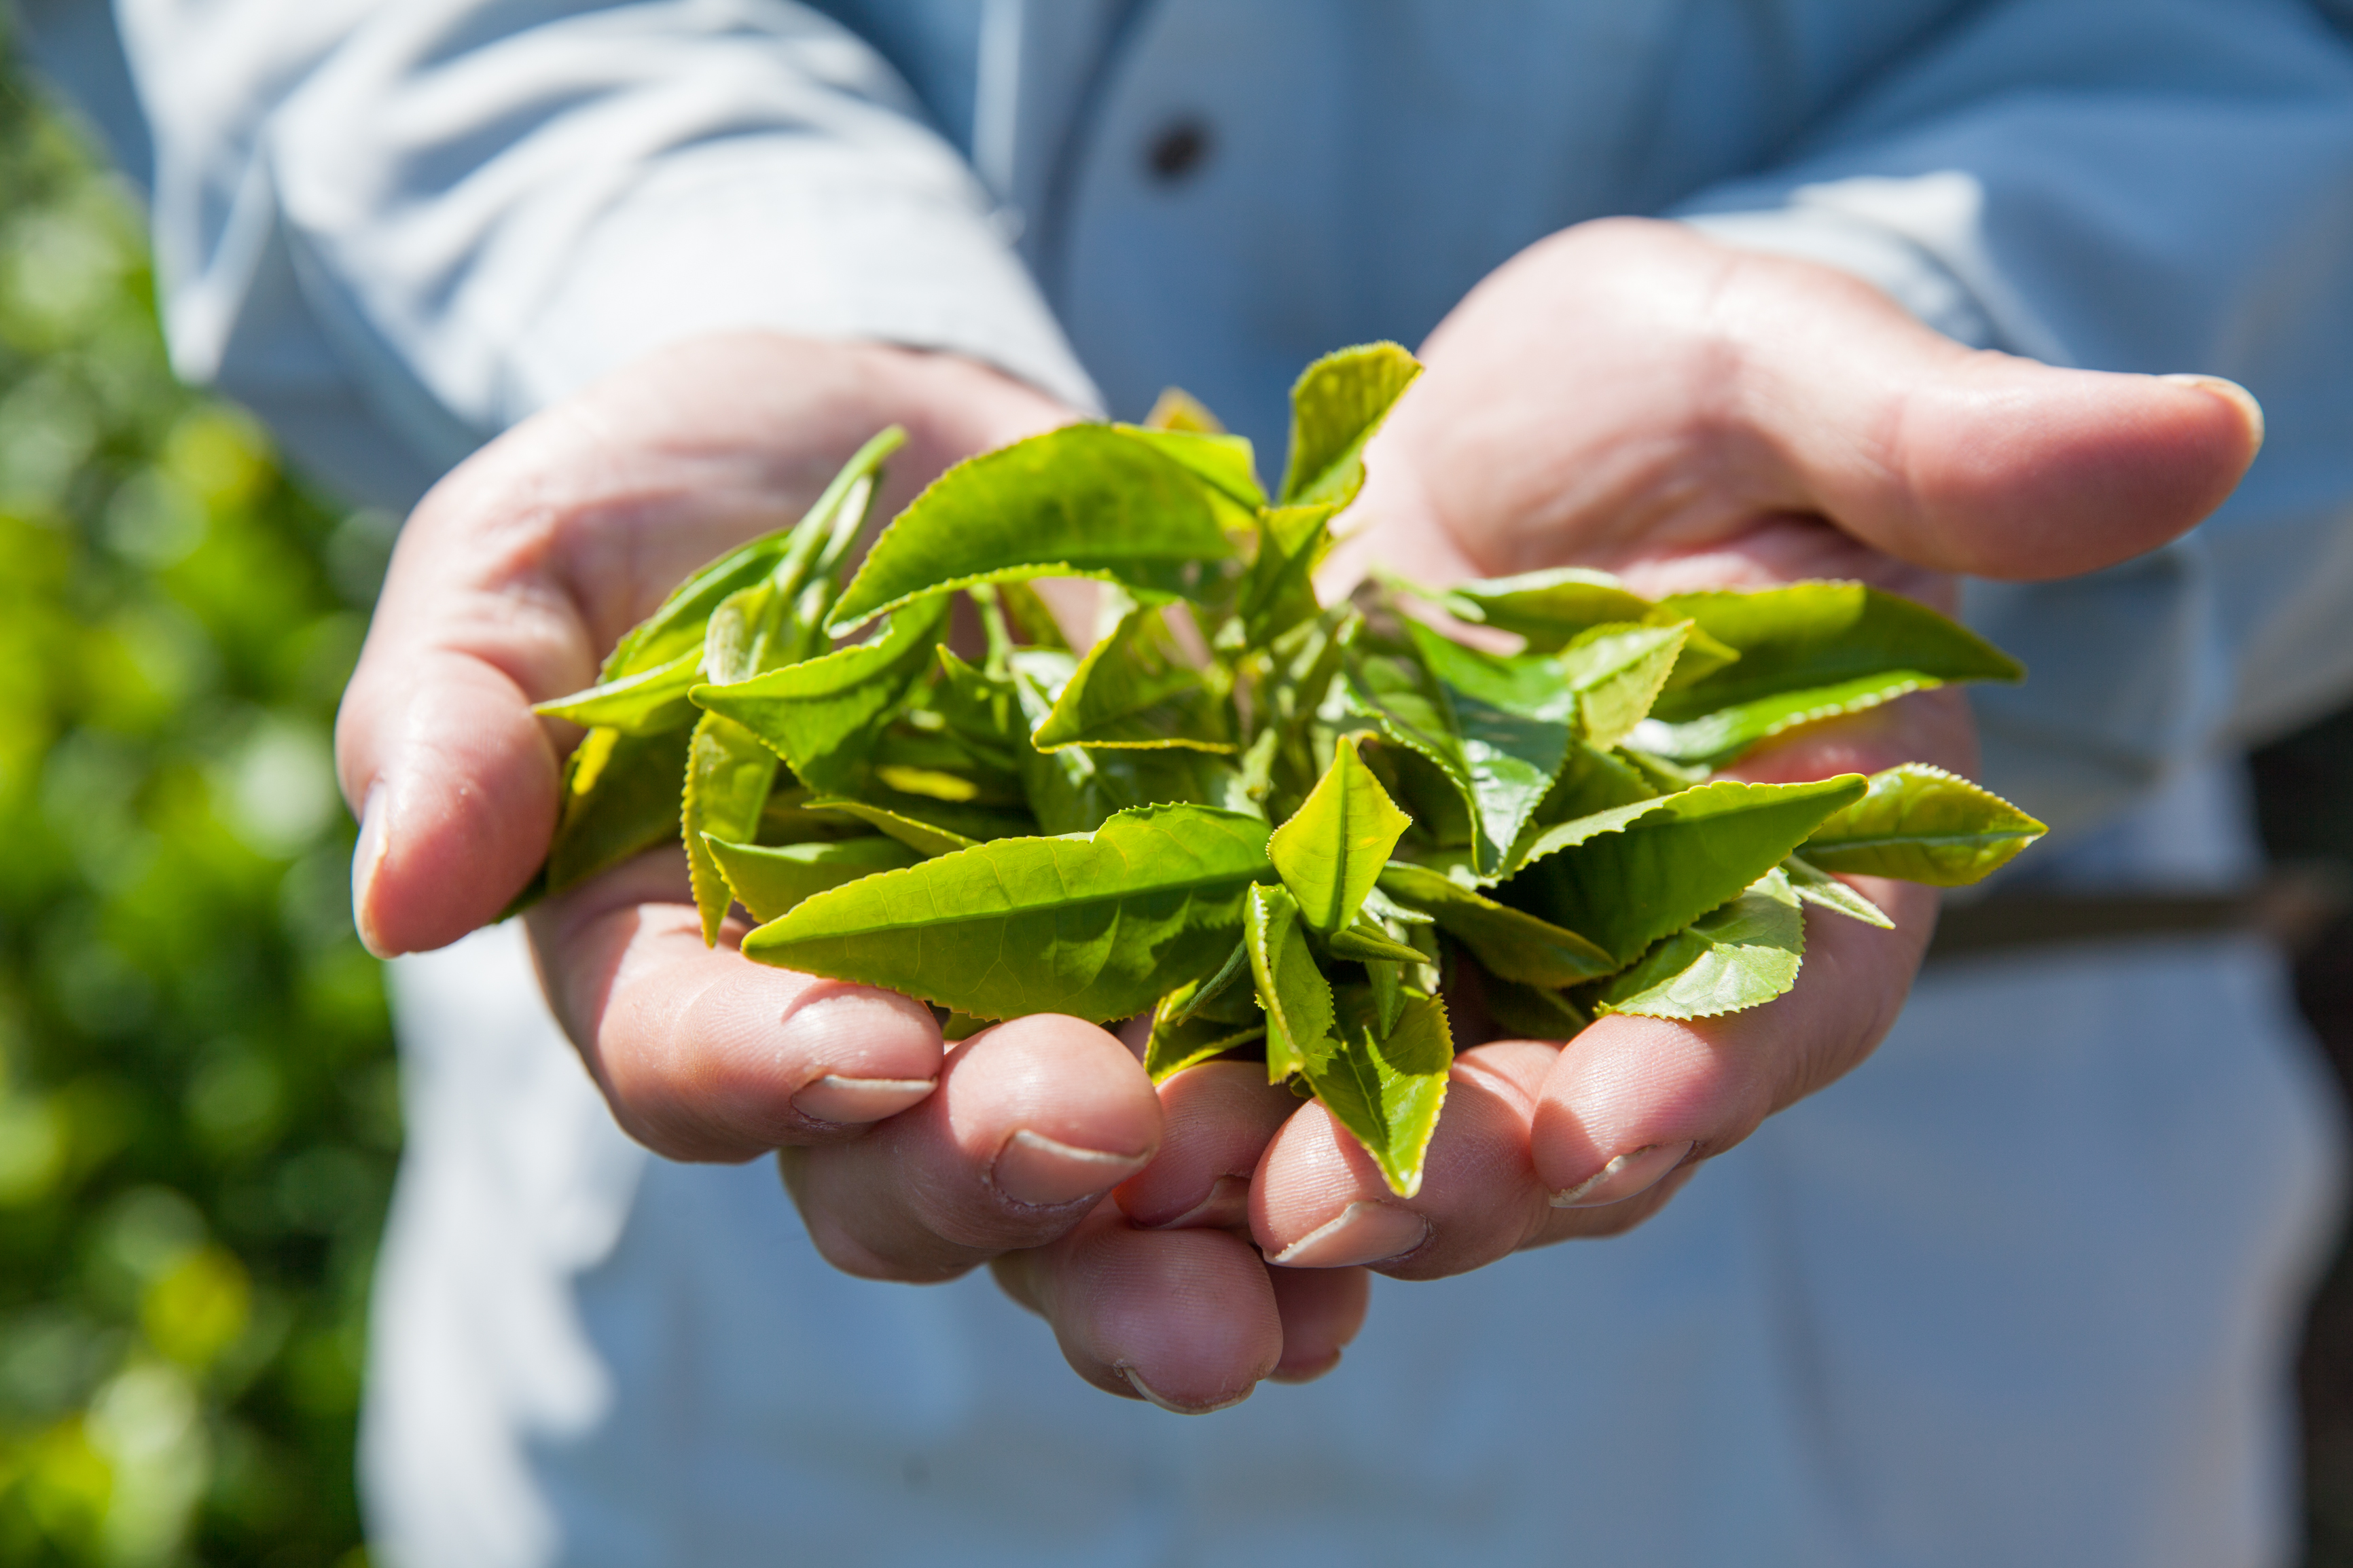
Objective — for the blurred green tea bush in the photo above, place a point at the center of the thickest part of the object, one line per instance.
(198, 1117)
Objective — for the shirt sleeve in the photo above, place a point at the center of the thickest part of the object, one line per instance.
(2153, 185)
(467, 210)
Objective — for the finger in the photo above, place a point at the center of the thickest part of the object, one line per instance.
(1185, 1319)
(1970, 461)
(1321, 1309)
(1034, 1120)
(1220, 1116)
(1631, 1099)
(1318, 1201)
(704, 1056)
(1712, 386)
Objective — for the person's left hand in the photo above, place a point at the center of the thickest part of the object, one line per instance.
(1632, 397)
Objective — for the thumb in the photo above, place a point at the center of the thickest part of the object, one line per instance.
(455, 779)
(1982, 462)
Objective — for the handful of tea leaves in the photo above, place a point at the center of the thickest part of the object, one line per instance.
(1281, 828)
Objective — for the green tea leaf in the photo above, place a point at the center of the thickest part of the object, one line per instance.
(1075, 789)
(1291, 987)
(1819, 887)
(1388, 1089)
(678, 624)
(645, 703)
(1509, 943)
(1626, 878)
(1180, 1040)
(822, 715)
(1277, 590)
(1098, 926)
(982, 711)
(1335, 406)
(728, 775)
(923, 837)
(1498, 729)
(1740, 956)
(1135, 690)
(1223, 462)
(1085, 500)
(1549, 608)
(621, 799)
(1221, 996)
(1033, 621)
(1331, 852)
(1808, 652)
(1365, 942)
(1617, 672)
(1178, 409)
(1923, 824)
(785, 819)
(769, 880)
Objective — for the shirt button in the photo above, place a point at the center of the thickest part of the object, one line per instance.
(1178, 149)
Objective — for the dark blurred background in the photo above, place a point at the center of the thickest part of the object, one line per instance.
(199, 1109)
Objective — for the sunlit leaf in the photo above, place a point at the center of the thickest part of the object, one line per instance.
(1499, 730)
(728, 775)
(1222, 461)
(1507, 943)
(770, 879)
(1819, 887)
(1099, 926)
(821, 715)
(1178, 409)
(1618, 672)
(1623, 878)
(1808, 652)
(1331, 853)
(621, 799)
(1924, 825)
(923, 837)
(1336, 405)
(1075, 789)
(678, 624)
(1291, 987)
(1388, 1088)
(646, 703)
(1180, 1039)
(1277, 590)
(1135, 690)
(1085, 500)
(1742, 956)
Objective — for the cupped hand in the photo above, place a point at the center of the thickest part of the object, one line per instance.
(909, 1160)
(1632, 397)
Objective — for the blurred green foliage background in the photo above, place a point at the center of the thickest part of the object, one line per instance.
(198, 1115)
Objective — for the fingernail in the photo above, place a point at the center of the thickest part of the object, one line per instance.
(1364, 1232)
(1036, 1170)
(1135, 1381)
(1228, 1203)
(367, 858)
(853, 1101)
(2229, 392)
(1626, 1176)
(1306, 1372)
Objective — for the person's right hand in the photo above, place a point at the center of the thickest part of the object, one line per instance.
(908, 1160)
